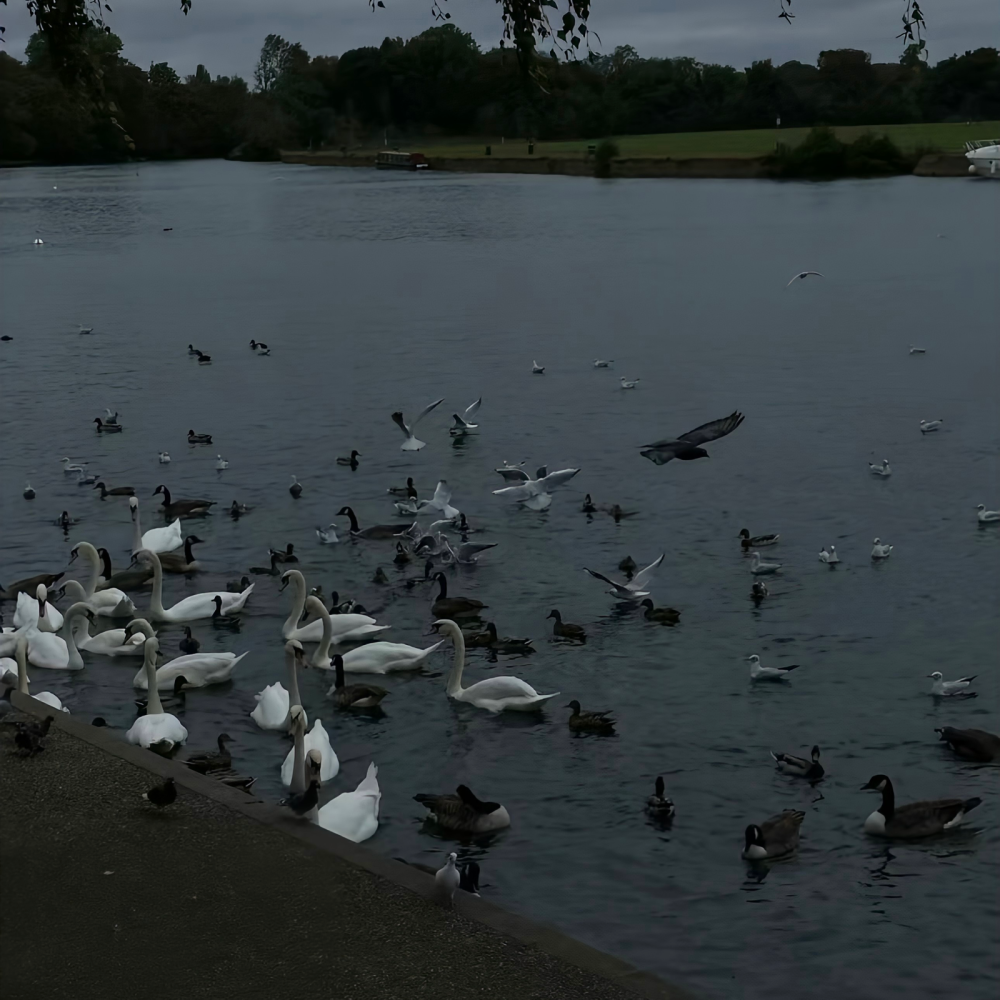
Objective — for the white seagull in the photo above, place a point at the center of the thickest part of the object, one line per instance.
(948, 689)
(327, 535)
(759, 673)
(829, 556)
(441, 501)
(463, 424)
(917, 350)
(448, 878)
(220, 463)
(985, 516)
(411, 443)
(164, 457)
(535, 493)
(629, 383)
(926, 426)
(634, 589)
(603, 364)
(882, 470)
(537, 369)
(804, 274)
(880, 551)
(758, 567)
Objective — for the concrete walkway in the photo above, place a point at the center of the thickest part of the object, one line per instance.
(221, 895)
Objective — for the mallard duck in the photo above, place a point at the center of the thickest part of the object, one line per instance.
(238, 586)
(203, 762)
(271, 570)
(464, 812)
(118, 491)
(776, 837)
(106, 428)
(971, 744)
(203, 358)
(288, 556)
(453, 607)
(756, 541)
(590, 722)
(352, 461)
(354, 696)
(199, 438)
(161, 795)
(915, 819)
(181, 508)
(506, 644)
(183, 561)
(189, 644)
(811, 769)
(658, 804)
(566, 630)
(409, 490)
(668, 616)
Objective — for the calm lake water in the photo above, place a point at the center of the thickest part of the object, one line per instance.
(381, 291)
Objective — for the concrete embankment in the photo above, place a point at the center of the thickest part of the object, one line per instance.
(224, 896)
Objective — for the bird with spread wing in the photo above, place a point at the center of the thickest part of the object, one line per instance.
(687, 447)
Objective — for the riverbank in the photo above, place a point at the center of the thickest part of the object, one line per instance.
(223, 895)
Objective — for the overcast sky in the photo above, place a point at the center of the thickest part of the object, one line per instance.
(226, 35)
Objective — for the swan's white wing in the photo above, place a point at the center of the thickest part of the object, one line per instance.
(423, 413)
(554, 479)
(471, 411)
(498, 688)
(639, 581)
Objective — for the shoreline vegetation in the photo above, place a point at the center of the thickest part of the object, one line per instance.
(792, 120)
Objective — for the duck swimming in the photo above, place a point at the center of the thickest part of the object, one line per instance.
(748, 542)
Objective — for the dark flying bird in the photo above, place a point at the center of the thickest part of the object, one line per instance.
(687, 446)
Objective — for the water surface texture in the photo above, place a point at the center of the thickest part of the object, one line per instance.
(384, 291)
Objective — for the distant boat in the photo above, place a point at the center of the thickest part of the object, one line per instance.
(395, 160)
(984, 157)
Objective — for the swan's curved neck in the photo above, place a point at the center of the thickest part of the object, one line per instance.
(299, 758)
(294, 698)
(298, 584)
(323, 653)
(88, 553)
(21, 654)
(156, 598)
(458, 665)
(443, 584)
(74, 614)
(136, 531)
(153, 704)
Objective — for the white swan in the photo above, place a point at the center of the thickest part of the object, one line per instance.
(197, 669)
(354, 815)
(156, 539)
(275, 703)
(38, 610)
(74, 469)
(55, 652)
(316, 739)
(297, 722)
(441, 501)
(411, 443)
(156, 726)
(346, 628)
(21, 656)
(110, 602)
(387, 658)
(758, 567)
(113, 642)
(829, 556)
(193, 607)
(495, 694)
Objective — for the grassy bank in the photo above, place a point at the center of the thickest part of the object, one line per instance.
(946, 137)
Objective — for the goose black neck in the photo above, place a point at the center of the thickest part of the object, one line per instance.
(888, 807)
(349, 511)
(443, 584)
(338, 666)
(165, 500)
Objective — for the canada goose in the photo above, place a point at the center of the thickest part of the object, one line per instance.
(463, 812)
(811, 769)
(915, 819)
(189, 644)
(199, 438)
(755, 542)
(222, 620)
(453, 607)
(590, 722)
(271, 570)
(666, 616)
(28, 585)
(658, 805)
(161, 795)
(295, 489)
(356, 696)
(288, 556)
(66, 522)
(106, 428)
(972, 744)
(182, 562)
(181, 508)
(213, 760)
(409, 490)
(374, 532)
(589, 507)
(352, 461)
(774, 838)
(238, 586)
(566, 630)
(118, 491)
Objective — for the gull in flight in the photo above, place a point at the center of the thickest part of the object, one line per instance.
(629, 383)
(467, 554)
(804, 274)
(463, 424)
(948, 689)
(917, 350)
(535, 493)
(687, 446)
(603, 364)
(537, 369)
(634, 589)
(441, 501)
(411, 443)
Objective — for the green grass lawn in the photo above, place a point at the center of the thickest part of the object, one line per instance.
(755, 142)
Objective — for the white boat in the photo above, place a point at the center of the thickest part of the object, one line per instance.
(984, 157)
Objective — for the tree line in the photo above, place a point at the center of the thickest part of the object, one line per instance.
(441, 83)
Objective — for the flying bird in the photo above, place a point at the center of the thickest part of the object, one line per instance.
(804, 274)
(411, 443)
(463, 423)
(687, 446)
(634, 590)
(535, 493)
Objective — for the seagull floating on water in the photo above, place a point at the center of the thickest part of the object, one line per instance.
(927, 426)
(85, 329)
(758, 567)
(629, 383)
(220, 463)
(985, 516)
(804, 274)
(759, 673)
(949, 689)
(687, 446)
(411, 443)
(829, 556)
(880, 551)
(537, 369)
(603, 364)
(882, 470)
(463, 424)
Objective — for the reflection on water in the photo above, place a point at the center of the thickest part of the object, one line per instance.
(378, 292)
